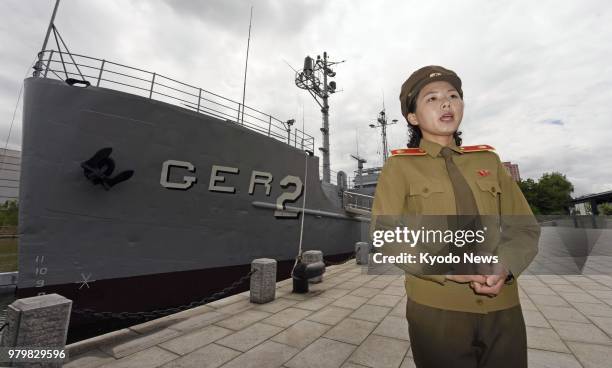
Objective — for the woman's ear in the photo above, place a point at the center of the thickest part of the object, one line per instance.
(412, 118)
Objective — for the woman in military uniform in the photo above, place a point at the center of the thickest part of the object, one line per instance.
(457, 320)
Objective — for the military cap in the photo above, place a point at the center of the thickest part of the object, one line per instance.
(417, 80)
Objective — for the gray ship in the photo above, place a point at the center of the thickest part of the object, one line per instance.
(141, 192)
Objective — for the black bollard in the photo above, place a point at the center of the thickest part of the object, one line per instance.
(300, 286)
(300, 283)
(302, 272)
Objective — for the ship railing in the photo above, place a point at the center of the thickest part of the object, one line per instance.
(351, 182)
(103, 73)
(333, 177)
(357, 202)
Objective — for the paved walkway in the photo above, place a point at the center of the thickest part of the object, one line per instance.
(351, 319)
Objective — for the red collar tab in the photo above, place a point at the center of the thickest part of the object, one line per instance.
(477, 148)
(408, 152)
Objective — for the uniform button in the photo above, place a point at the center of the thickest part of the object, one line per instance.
(425, 190)
(479, 301)
(492, 189)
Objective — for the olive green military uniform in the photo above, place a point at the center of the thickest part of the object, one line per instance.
(448, 317)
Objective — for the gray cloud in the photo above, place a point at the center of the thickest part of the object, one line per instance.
(280, 18)
(553, 122)
(536, 78)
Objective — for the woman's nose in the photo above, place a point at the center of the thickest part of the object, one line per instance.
(446, 102)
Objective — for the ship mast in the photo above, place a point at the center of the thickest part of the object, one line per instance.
(245, 68)
(38, 66)
(360, 162)
(382, 123)
(309, 79)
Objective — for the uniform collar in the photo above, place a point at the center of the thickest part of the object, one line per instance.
(433, 149)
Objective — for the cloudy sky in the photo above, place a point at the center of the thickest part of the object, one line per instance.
(537, 75)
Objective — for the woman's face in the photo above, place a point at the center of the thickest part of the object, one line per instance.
(439, 110)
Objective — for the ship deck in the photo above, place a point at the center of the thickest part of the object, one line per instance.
(351, 319)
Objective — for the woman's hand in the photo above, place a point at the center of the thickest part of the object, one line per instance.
(492, 286)
(462, 279)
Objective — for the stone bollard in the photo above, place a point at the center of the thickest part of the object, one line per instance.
(362, 252)
(312, 256)
(263, 282)
(40, 321)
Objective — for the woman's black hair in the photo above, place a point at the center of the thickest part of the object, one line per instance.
(415, 133)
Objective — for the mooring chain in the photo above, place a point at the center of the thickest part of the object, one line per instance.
(167, 311)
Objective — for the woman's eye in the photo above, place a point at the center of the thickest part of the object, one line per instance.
(432, 98)
(454, 96)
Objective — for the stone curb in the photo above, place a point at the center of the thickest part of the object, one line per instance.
(142, 329)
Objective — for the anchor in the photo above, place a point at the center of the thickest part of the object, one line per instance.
(99, 167)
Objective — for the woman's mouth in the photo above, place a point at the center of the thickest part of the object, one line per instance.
(447, 117)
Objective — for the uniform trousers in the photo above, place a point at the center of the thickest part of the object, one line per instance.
(449, 339)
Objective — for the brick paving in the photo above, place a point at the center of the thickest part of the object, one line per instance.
(353, 319)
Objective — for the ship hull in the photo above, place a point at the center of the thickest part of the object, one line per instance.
(207, 197)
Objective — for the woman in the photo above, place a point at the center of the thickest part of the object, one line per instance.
(457, 320)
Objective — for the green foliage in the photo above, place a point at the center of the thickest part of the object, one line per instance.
(8, 245)
(9, 213)
(605, 209)
(8, 254)
(529, 189)
(548, 196)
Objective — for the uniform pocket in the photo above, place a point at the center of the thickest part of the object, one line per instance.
(488, 196)
(489, 186)
(428, 197)
(425, 188)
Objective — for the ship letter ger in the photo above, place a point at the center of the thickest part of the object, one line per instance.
(188, 180)
(260, 177)
(214, 178)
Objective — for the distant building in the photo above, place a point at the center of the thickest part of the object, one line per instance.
(513, 170)
(10, 167)
(583, 208)
(589, 204)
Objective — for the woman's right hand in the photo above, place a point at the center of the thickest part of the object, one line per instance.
(462, 279)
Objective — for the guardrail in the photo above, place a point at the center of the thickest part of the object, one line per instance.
(107, 74)
(357, 201)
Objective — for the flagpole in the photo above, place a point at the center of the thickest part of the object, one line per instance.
(245, 66)
(38, 66)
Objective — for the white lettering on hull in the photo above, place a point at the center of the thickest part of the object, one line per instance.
(216, 178)
(187, 180)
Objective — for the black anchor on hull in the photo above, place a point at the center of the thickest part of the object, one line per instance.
(99, 167)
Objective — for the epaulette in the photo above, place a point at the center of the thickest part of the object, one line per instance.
(408, 151)
(477, 148)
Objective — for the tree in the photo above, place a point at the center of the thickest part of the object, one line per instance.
(550, 195)
(8, 213)
(530, 191)
(554, 196)
(605, 209)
